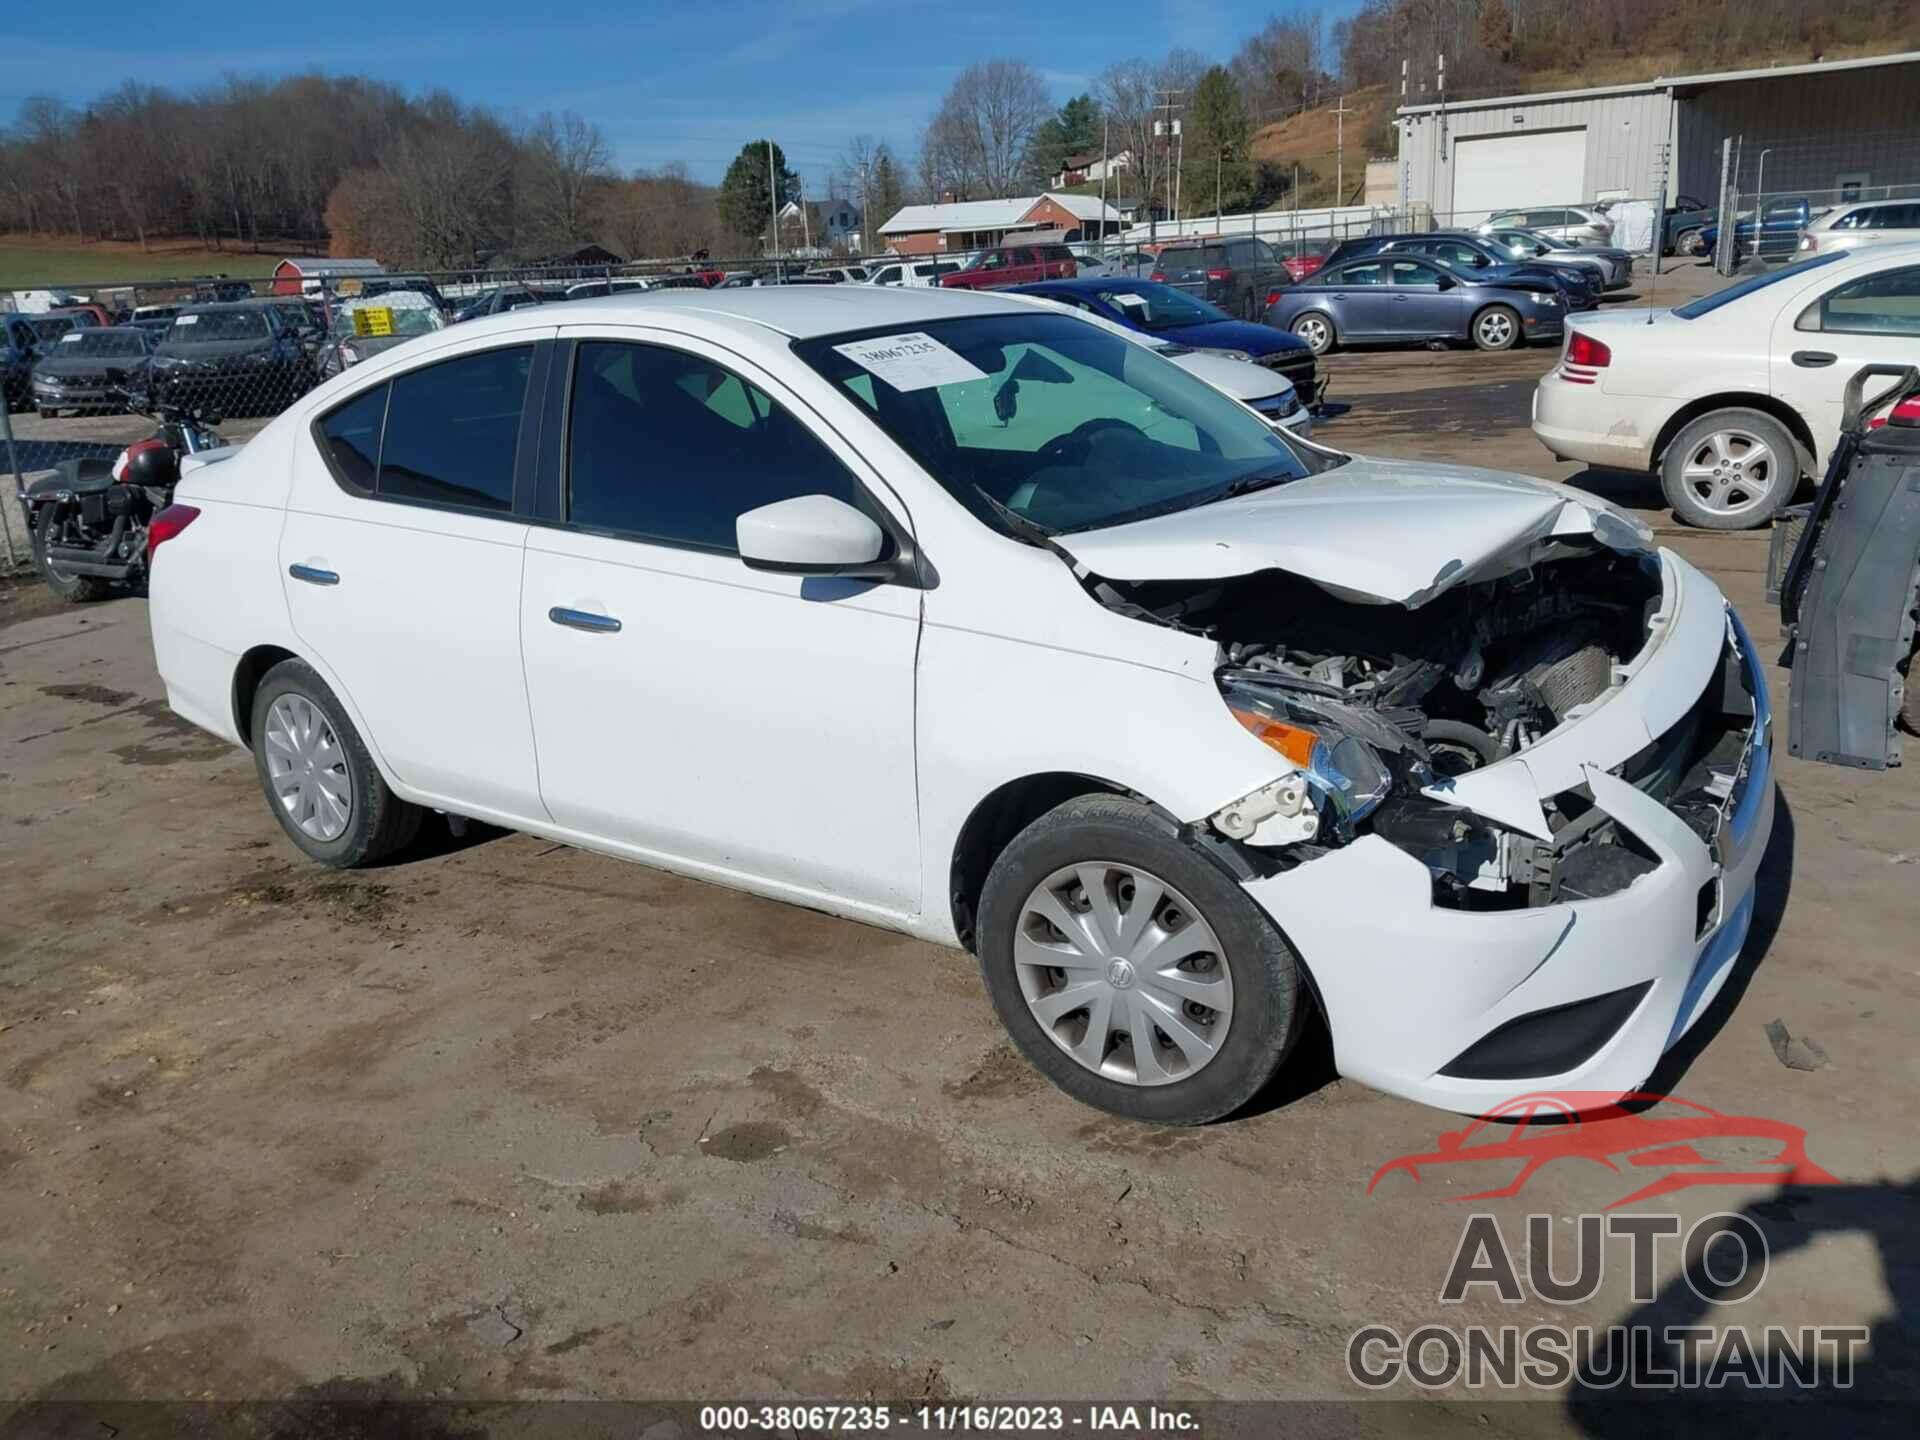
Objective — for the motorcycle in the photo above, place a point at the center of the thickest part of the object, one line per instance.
(88, 522)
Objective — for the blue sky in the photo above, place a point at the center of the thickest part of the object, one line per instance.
(685, 82)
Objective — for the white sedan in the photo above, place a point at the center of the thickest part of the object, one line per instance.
(943, 613)
(1736, 395)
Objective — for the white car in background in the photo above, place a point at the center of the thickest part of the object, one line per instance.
(1268, 394)
(1573, 224)
(952, 615)
(923, 273)
(1735, 396)
(1854, 227)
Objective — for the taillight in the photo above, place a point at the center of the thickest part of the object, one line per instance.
(1583, 349)
(1273, 297)
(1219, 274)
(1159, 275)
(167, 524)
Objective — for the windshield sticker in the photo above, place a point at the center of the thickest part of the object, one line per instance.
(373, 322)
(913, 361)
(70, 337)
(186, 319)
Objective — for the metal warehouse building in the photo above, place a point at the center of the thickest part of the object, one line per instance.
(1833, 131)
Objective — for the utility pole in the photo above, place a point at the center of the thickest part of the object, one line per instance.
(1105, 124)
(1340, 152)
(773, 199)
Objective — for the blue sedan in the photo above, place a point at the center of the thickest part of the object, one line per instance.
(1408, 298)
(1172, 314)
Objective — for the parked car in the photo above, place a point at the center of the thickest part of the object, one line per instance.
(85, 313)
(842, 274)
(1174, 315)
(923, 273)
(499, 302)
(211, 290)
(1040, 609)
(1774, 236)
(1408, 299)
(16, 372)
(1735, 396)
(1681, 223)
(157, 318)
(1611, 268)
(31, 335)
(88, 368)
(1476, 255)
(1577, 225)
(234, 359)
(1853, 227)
(1013, 265)
(1266, 392)
(1302, 257)
(734, 280)
(367, 325)
(596, 289)
(1236, 273)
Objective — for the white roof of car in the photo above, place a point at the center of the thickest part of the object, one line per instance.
(389, 300)
(798, 311)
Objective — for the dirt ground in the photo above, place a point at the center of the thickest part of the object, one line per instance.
(507, 1120)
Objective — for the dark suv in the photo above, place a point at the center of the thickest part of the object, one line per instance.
(236, 359)
(1238, 275)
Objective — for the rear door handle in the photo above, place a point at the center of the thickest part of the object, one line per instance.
(1814, 359)
(584, 620)
(313, 575)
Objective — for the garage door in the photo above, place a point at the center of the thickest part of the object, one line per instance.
(1509, 172)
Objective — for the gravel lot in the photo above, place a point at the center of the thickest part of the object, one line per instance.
(506, 1120)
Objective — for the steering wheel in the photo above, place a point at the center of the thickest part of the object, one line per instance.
(1072, 447)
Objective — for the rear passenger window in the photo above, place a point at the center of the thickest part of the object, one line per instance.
(1884, 304)
(669, 447)
(351, 438)
(453, 430)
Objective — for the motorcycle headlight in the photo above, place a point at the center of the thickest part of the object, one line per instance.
(1337, 746)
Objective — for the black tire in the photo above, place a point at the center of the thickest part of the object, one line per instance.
(378, 822)
(1692, 509)
(1496, 328)
(1317, 329)
(74, 589)
(1269, 1000)
(1687, 242)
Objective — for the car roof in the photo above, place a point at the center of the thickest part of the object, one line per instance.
(799, 312)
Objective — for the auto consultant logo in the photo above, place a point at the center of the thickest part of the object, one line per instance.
(1691, 1144)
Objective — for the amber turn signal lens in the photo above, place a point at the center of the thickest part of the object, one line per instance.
(1290, 740)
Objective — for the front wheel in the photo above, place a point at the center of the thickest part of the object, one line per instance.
(1496, 328)
(1131, 969)
(1317, 330)
(321, 783)
(1730, 470)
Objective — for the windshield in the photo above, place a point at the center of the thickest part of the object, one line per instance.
(1161, 307)
(1707, 304)
(99, 342)
(198, 326)
(383, 321)
(1057, 423)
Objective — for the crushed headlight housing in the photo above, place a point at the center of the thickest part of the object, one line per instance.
(1337, 746)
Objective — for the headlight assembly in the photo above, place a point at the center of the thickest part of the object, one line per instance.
(1338, 747)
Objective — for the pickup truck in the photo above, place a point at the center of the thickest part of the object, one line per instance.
(1778, 229)
(1014, 265)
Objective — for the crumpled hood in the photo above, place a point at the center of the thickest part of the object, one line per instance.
(1389, 532)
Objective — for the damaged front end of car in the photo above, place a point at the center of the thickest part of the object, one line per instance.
(1549, 764)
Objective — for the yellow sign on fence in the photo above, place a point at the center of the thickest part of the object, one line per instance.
(373, 322)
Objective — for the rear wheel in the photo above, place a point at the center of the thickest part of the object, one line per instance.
(74, 589)
(1132, 970)
(321, 783)
(1496, 328)
(1317, 330)
(1730, 470)
(1687, 242)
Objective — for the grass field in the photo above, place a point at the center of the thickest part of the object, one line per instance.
(39, 262)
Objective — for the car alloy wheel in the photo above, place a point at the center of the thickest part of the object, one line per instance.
(1729, 472)
(1316, 332)
(307, 768)
(1495, 330)
(1123, 974)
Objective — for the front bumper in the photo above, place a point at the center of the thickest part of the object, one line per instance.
(78, 396)
(1410, 987)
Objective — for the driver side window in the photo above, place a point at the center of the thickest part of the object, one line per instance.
(1885, 304)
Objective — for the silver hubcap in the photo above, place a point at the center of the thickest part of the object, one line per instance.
(307, 768)
(1123, 973)
(1496, 329)
(1730, 471)
(1314, 332)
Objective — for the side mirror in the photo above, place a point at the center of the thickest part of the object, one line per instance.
(1445, 282)
(812, 535)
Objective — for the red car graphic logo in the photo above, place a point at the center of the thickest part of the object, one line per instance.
(1601, 1127)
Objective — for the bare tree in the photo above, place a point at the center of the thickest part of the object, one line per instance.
(565, 164)
(983, 133)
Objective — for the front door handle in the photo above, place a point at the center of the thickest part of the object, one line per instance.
(1814, 359)
(584, 620)
(313, 575)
